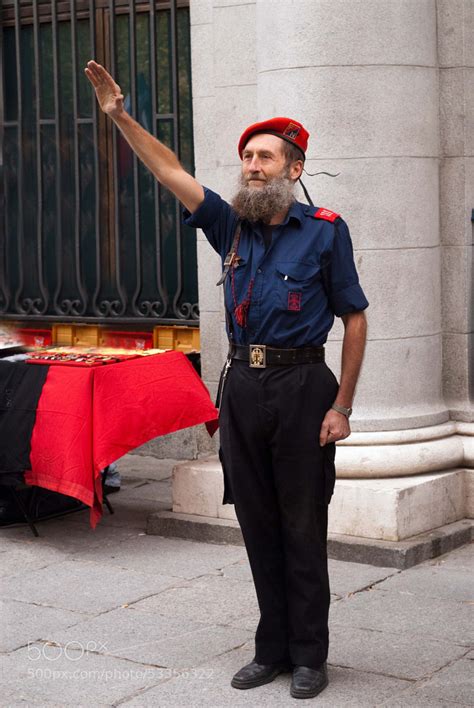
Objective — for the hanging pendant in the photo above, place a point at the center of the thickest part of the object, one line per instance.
(241, 313)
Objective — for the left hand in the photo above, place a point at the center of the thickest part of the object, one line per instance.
(335, 426)
(109, 94)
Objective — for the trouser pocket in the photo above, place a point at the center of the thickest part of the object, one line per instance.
(329, 457)
(228, 497)
(222, 380)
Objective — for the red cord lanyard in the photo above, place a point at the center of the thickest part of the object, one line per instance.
(240, 310)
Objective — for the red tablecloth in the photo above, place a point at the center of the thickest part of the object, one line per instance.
(89, 417)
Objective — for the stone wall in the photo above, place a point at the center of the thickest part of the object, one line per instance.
(224, 60)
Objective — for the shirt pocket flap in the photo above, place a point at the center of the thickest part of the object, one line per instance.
(297, 271)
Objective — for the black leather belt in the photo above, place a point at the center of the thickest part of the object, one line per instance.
(260, 356)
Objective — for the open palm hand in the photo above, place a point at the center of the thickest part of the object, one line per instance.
(109, 94)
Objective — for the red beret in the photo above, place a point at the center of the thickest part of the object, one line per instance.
(286, 128)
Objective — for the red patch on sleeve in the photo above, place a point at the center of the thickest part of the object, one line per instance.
(326, 214)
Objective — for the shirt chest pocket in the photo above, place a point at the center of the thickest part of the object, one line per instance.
(295, 284)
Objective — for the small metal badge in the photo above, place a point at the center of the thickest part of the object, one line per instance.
(232, 261)
(257, 356)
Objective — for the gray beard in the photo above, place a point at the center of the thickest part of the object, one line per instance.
(262, 203)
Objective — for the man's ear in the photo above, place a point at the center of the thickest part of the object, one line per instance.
(296, 169)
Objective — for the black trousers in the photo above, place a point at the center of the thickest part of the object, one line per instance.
(281, 481)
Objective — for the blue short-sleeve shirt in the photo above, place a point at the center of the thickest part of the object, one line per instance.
(305, 277)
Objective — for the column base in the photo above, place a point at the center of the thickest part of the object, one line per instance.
(407, 452)
(390, 509)
(397, 508)
(386, 554)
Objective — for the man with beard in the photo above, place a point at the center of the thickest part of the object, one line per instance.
(288, 270)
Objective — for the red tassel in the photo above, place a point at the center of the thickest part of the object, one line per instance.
(241, 313)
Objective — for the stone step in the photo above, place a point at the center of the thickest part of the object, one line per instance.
(390, 554)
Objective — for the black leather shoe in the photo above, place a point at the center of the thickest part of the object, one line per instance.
(254, 674)
(307, 682)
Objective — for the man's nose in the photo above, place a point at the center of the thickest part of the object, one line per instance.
(254, 164)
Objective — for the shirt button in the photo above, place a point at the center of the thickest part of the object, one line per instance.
(259, 270)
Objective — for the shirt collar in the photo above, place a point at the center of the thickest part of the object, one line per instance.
(294, 212)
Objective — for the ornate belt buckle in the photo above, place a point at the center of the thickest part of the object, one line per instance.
(257, 356)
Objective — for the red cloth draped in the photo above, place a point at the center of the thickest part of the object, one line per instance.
(89, 417)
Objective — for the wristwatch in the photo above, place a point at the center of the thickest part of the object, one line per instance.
(340, 409)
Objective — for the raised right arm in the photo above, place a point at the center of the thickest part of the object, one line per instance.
(159, 159)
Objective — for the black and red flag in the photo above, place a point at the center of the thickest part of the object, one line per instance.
(61, 425)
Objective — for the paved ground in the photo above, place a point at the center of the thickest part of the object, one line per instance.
(115, 617)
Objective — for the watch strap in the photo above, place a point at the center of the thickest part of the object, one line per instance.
(340, 409)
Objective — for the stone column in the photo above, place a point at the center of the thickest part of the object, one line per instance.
(363, 79)
(456, 61)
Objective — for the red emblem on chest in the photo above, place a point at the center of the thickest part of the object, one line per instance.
(294, 301)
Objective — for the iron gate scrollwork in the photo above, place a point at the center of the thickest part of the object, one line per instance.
(86, 231)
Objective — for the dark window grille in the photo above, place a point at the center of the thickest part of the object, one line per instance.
(86, 232)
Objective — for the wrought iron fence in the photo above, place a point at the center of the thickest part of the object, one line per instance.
(86, 232)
